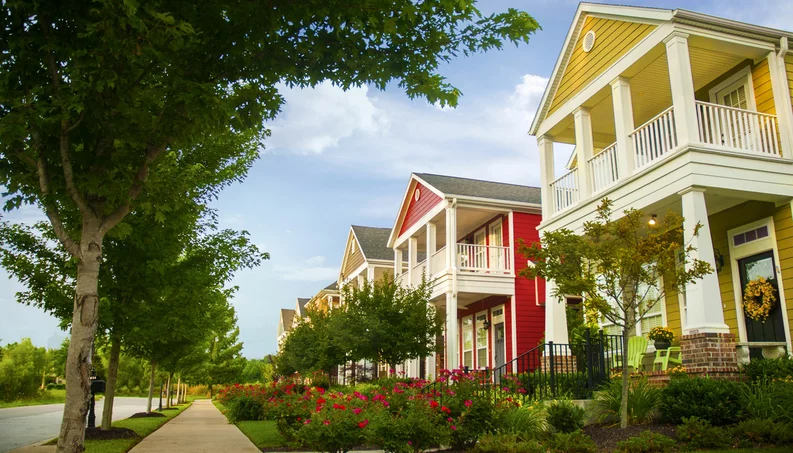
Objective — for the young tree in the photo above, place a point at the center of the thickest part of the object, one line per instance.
(316, 343)
(622, 267)
(389, 323)
(224, 355)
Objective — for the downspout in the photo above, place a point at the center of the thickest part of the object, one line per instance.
(454, 280)
(781, 79)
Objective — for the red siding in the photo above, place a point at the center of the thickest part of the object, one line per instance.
(530, 324)
(416, 209)
(487, 304)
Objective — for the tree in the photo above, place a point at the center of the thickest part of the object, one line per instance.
(621, 267)
(225, 362)
(94, 95)
(21, 369)
(316, 343)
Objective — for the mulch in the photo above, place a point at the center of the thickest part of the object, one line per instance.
(112, 433)
(144, 415)
(170, 408)
(607, 436)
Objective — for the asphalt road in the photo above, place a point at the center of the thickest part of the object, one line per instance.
(20, 426)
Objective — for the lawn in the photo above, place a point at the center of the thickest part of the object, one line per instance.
(751, 450)
(45, 397)
(263, 433)
(142, 426)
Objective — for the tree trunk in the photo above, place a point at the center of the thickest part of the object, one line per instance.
(110, 385)
(178, 389)
(168, 392)
(84, 323)
(210, 390)
(151, 386)
(625, 381)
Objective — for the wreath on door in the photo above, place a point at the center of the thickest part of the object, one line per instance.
(759, 298)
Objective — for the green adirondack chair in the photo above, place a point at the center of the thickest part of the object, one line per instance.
(637, 347)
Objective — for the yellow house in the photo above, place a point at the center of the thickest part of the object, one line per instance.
(682, 111)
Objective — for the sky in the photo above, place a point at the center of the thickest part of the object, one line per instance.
(339, 158)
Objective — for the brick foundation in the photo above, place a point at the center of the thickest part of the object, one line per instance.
(562, 364)
(714, 352)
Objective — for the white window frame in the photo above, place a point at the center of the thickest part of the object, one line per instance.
(742, 77)
(477, 327)
(470, 328)
(746, 250)
(496, 319)
(638, 328)
(480, 257)
(496, 258)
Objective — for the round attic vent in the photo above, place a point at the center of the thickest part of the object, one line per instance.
(589, 41)
(417, 194)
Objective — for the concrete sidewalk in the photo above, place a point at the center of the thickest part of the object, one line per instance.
(200, 428)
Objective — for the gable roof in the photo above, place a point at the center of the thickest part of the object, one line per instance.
(373, 242)
(332, 287)
(301, 305)
(466, 187)
(287, 316)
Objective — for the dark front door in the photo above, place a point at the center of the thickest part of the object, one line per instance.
(498, 344)
(750, 268)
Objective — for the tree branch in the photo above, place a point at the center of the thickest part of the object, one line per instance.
(52, 213)
(68, 173)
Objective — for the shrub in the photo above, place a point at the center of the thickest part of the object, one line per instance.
(698, 433)
(714, 401)
(333, 430)
(643, 400)
(565, 417)
(575, 442)
(769, 369)
(647, 442)
(415, 428)
(244, 408)
(53, 386)
(756, 432)
(526, 422)
(507, 443)
(765, 399)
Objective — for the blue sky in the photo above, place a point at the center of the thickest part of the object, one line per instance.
(339, 158)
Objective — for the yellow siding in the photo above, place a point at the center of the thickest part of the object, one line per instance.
(354, 260)
(789, 70)
(673, 314)
(613, 39)
(783, 225)
(763, 95)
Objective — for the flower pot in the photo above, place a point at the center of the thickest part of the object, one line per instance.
(662, 344)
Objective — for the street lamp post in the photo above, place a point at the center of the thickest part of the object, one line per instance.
(160, 408)
(92, 403)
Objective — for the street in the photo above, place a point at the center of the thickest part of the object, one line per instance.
(20, 426)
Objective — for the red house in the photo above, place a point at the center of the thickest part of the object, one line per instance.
(465, 231)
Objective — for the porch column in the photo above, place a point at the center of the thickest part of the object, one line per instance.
(545, 144)
(555, 316)
(413, 244)
(704, 313)
(584, 146)
(370, 274)
(623, 125)
(451, 236)
(398, 266)
(452, 346)
(781, 91)
(431, 231)
(681, 83)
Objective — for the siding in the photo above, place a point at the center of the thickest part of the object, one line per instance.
(763, 95)
(353, 261)
(416, 209)
(530, 325)
(783, 224)
(613, 39)
(789, 71)
(487, 304)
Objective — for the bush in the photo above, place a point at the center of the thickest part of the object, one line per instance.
(714, 401)
(507, 443)
(575, 442)
(643, 400)
(756, 432)
(565, 417)
(333, 430)
(769, 400)
(53, 386)
(244, 408)
(647, 442)
(417, 427)
(526, 422)
(698, 433)
(769, 369)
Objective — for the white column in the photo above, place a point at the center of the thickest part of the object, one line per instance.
(431, 231)
(584, 146)
(781, 91)
(398, 265)
(681, 83)
(370, 273)
(547, 175)
(555, 316)
(452, 339)
(703, 297)
(451, 237)
(413, 244)
(623, 125)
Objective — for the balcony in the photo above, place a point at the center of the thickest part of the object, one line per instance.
(719, 128)
(471, 258)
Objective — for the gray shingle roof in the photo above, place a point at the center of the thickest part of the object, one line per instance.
(288, 315)
(374, 242)
(333, 286)
(451, 185)
(301, 305)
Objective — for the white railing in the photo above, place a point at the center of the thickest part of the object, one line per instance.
(737, 129)
(653, 139)
(417, 273)
(603, 168)
(565, 191)
(438, 261)
(484, 258)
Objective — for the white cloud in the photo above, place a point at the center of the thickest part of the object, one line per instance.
(312, 269)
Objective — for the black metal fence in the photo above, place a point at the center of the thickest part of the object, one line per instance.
(551, 370)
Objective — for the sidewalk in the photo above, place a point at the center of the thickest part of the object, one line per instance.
(200, 428)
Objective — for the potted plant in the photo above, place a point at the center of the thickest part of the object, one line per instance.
(662, 337)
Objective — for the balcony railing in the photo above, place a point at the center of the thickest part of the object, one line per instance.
(655, 138)
(438, 261)
(418, 272)
(737, 129)
(603, 167)
(483, 258)
(565, 191)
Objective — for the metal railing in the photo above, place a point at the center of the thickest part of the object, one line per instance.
(603, 168)
(737, 129)
(564, 191)
(485, 258)
(655, 138)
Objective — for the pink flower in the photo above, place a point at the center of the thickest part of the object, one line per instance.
(454, 428)
(363, 424)
(468, 403)
(326, 422)
(357, 410)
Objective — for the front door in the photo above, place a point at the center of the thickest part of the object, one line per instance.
(496, 255)
(750, 268)
(498, 345)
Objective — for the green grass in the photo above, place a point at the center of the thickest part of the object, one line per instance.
(751, 450)
(142, 426)
(263, 433)
(45, 397)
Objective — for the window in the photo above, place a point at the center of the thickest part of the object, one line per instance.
(481, 340)
(468, 342)
(655, 316)
(352, 248)
(749, 236)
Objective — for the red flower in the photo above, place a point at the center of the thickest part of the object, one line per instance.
(363, 424)
(321, 400)
(433, 404)
(446, 409)
(468, 403)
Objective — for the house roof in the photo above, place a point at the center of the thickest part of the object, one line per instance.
(332, 287)
(287, 315)
(466, 187)
(374, 242)
(301, 305)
